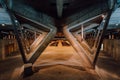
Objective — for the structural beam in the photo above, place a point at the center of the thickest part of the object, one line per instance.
(88, 27)
(98, 34)
(82, 31)
(81, 52)
(59, 5)
(37, 47)
(15, 25)
(103, 32)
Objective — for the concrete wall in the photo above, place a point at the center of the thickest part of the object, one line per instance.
(8, 47)
(2, 50)
(112, 47)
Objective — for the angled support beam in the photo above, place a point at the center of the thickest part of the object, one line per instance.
(15, 25)
(102, 37)
(88, 27)
(73, 38)
(82, 31)
(59, 5)
(48, 32)
(39, 45)
(83, 22)
(98, 34)
(83, 43)
(111, 7)
(81, 52)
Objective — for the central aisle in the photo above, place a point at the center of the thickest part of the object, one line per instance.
(60, 61)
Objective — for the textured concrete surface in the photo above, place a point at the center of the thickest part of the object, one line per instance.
(61, 72)
(107, 67)
(9, 66)
(60, 63)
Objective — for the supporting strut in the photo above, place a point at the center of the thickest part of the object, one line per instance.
(40, 43)
(103, 32)
(15, 25)
(84, 58)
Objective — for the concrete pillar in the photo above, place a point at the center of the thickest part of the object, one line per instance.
(109, 36)
(101, 47)
(112, 36)
(117, 50)
(105, 45)
(82, 31)
(2, 50)
(112, 47)
(35, 35)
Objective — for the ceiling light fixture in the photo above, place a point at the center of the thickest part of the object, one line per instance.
(103, 16)
(3, 24)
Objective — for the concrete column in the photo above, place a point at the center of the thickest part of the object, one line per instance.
(109, 36)
(82, 31)
(59, 5)
(35, 35)
(112, 36)
(2, 50)
(117, 50)
(112, 47)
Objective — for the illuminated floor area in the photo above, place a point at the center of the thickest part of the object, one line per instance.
(61, 72)
(59, 55)
(61, 63)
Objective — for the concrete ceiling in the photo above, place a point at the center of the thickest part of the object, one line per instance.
(63, 12)
(60, 12)
(61, 8)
